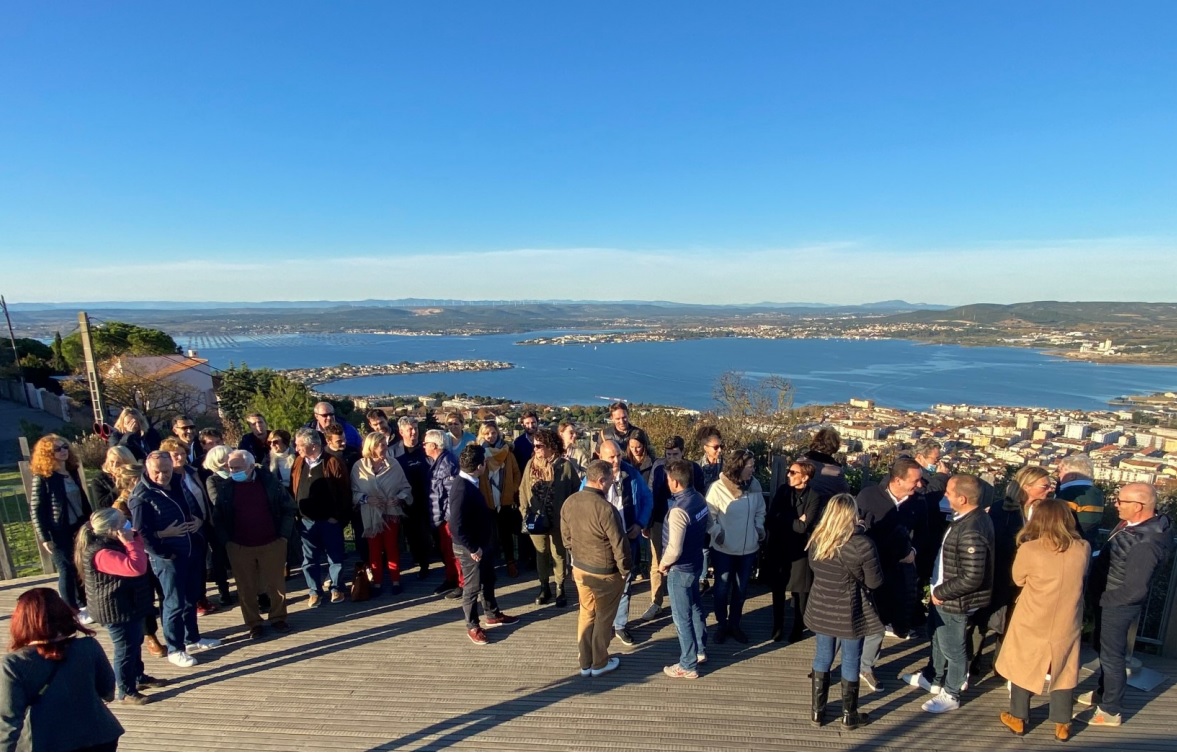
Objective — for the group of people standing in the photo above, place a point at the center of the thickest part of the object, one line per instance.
(172, 514)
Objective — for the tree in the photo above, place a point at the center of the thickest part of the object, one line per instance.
(112, 339)
(59, 362)
(159, 398)
(285, 403)
(238, 385)
(756, 414)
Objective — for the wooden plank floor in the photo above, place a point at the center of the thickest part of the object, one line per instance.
(401, 674)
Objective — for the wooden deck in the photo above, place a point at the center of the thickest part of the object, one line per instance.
(401, 674)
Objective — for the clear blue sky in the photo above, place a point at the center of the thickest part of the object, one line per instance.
(840, 152)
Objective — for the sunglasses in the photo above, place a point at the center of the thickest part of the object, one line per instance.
(189, 427)
(61, 448)
(323, 415)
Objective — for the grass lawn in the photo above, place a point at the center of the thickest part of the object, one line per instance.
(14, 513)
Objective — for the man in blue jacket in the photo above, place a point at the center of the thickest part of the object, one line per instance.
(630, 495)
(472, 525)
(443, 470)
(165, 513)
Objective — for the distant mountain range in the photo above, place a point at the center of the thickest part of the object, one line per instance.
(881, 306)
(1053, 313)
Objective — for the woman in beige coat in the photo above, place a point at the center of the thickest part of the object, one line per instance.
(1043, 635)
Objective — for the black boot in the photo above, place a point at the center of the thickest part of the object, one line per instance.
(821, 693)
(545, 594)
(561, 600)
(852, 718)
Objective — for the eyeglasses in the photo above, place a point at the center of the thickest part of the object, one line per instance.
(275, 441)
(714, 446)
(1127, 502)
(794, 472)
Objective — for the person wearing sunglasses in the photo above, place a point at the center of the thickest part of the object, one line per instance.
(325, 416)
(789, 522)
(59, 508)
(1120, 580)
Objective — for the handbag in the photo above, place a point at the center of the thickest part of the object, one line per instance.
(537, 523)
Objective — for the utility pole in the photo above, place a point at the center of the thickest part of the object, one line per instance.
(92, 375)
(15, 354)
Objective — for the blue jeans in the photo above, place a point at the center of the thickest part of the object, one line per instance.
(732, 572)
(182, 580)
(67, 574)
(1114, 624)
(622, 618)
(321, 537)
(950, 661)
(827, 646)
(686, 608)
(127, 638)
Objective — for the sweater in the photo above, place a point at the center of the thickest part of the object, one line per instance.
(70, 713)
(737, 517)
(281, 505)
(118, 589)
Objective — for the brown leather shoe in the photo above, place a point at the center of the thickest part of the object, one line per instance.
(1062, 732)
(1015, 725)
(154, 647)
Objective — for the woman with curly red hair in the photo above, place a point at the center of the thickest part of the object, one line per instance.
(54, 681)
(59, 509)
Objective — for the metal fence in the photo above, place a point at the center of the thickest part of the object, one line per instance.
(18, 532)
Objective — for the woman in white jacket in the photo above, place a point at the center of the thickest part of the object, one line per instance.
(737, 528)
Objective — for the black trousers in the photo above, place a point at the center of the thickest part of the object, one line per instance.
(1061, 702)
(478, 584)
(419, 533)
(510, 522)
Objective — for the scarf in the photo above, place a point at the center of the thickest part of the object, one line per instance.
(541, 470)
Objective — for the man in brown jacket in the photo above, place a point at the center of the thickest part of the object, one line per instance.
(593, 535)
(322, 491)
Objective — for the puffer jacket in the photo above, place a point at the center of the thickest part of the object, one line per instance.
(442, 473)
(966, 564)
(1126, 563)
(49, 502)
(154, 508)
(737, 517)
(841, 602)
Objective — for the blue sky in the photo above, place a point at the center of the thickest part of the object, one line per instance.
(727, 153)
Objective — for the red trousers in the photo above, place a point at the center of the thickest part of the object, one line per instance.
(384, 552)
(445, 542)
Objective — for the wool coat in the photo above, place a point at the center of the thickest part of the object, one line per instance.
(1043, 635)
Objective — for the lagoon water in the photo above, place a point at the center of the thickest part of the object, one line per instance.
(895, 373)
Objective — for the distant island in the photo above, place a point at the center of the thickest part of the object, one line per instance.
(323, 374)
(1138, 333)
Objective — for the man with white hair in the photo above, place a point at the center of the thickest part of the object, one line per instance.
(443, 469)
(325, 416)
(254, 519)
(1076, 486)
(322, 491)
(1120, 579)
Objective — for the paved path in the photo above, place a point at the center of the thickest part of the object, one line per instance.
(10, 417)
(402, 675)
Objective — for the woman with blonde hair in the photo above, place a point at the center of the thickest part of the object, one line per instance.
(841, 607)
(499, 484)
(106, 485)
(1028, 486)
(59, 508)
(113, 559)
(380, 490)
(1044, 632)
(132, 431)
(216, 462)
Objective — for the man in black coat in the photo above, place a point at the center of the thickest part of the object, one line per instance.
(962, 583)
(472, 526)
(1120, 578)
(893, 515)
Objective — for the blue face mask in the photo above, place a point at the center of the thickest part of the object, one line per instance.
(223, 474)
(239, 475)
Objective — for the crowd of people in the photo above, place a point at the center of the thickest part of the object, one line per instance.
(170, 515)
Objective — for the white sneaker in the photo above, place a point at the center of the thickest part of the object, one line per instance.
(941, 703)
(700, 658)
(586, 672)
(1086, 699)
(917, 680)
(890, 633)
(204, 644)
(84, 616)
(610, 665)
(181, 659)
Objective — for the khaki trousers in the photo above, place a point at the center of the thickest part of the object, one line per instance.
(599, 596)
(550, 558)
(259, 569)
(657, 579)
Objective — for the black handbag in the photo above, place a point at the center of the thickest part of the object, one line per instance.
(537, 523)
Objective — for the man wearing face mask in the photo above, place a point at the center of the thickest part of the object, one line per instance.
(166, 514)
(254, 518)
(630, 496)
(322, 491)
